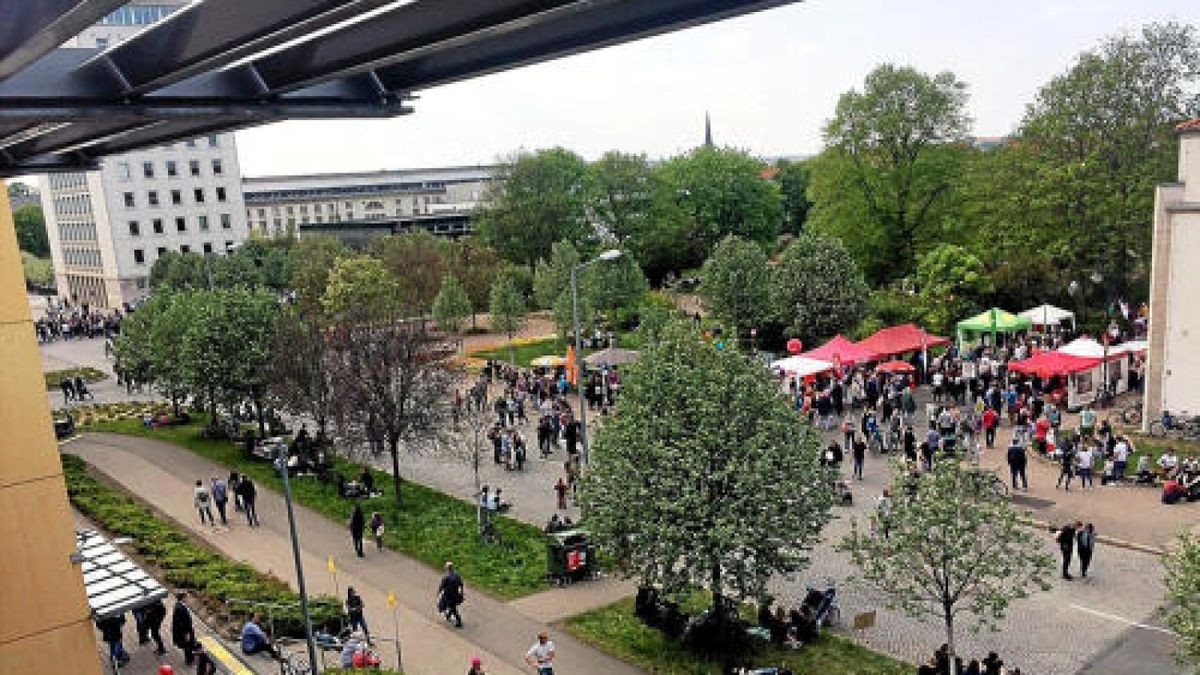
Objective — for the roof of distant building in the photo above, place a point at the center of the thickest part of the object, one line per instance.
(1190, 126)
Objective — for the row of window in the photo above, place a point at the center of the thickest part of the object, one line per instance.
(138, 15)
(63, 181)
(139, 255)
(81, 257)
(77, 231)
(322, 193)
(171, 168)
(420, 202)
(176, 197)
(72, 205)
(181, 224)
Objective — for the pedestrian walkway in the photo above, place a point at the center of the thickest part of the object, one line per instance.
(162, 474)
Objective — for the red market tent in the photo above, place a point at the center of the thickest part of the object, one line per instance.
(895, 367)
(902, 339)
(841, 351)
(1049, 364)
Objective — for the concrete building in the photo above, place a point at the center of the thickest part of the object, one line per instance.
(438, 200)
(1173, 369)
(107, 227)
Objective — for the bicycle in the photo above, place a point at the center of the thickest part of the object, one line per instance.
(1180, 426)
(1132, 415)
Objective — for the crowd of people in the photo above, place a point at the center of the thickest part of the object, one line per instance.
(941, 664)
(68, 322)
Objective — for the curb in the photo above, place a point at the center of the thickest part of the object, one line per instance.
(1111, 541)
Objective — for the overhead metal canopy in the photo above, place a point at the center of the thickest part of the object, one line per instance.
(114, 584)
(219, 65)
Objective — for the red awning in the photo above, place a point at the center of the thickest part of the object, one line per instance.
(901, 339)
(1049, 364)
(841, 351)
(895, 367)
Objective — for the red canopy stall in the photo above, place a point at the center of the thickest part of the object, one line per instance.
(1051, 364)
(902, 339)
(843, 352)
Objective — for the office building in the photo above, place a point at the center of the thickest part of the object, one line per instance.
(107, 227)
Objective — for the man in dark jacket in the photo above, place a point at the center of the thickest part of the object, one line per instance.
(358, 525)
(450, 595)
(1017, 460)
(110, 630)
(155, 612)
(1066, 543)
(249, 495)
(182, 632)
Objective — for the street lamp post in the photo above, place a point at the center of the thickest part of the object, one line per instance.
(281, 463)
(611, 254)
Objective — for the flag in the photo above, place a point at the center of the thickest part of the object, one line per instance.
(332, 566)
(572, 366)
(391, 600)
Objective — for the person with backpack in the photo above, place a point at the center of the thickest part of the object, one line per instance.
(450, 595)
(354, 612)
(152, 620)
(377, 529)
(200, 498)
(220, 496)
(110, 630)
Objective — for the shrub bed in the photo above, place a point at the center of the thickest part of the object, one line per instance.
(54, 378)
(184, 563)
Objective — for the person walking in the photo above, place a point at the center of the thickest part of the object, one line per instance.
(560, 488)
(354, 611)
(220, 496)
(450, 595)
(1085, 544)
(991, 420)
(110, 631)
(68, 390)
(183, 635)
(1017, 461)
(234, 486)
(377, 529)
(541, 655)
(200, 498)
(1066, 463)
(249, 495)
(476, 666)
(1066, 544)
(358, 525)
(153, 618)
(859, 450)
(1084, 458)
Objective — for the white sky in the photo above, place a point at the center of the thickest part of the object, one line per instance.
(769, 80)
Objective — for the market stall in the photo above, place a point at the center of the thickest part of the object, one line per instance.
(1048, 315)
(1078, 382)
(1116, 360)
(889, 342)
(841, 352)
(801, 366)
(993, 322)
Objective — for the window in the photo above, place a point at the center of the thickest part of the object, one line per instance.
(191, 143)
(172, 169)
(176, 197)
(290, 211)
(220, 194)
(226, 221)
(304, 208)
(123, 170)
(202, 221)
(212, 141)
(129, 200)
(262, 213)
(162, 250)
(278, 223)
(180, 224)
(193, 164)
(148, 169)
(207, 248)
(217, 167)
(134, 230)
(141, 283)
(152, 197)
(158, 228)
(139, 256)
(185, 249)
(198, 193)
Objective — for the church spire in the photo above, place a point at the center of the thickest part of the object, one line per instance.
(708, 142)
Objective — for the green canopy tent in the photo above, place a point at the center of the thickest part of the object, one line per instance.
(993, 322)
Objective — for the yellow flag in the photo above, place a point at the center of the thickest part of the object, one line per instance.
(391, 600)
(332, 567)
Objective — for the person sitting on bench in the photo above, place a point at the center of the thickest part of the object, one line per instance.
(254, 640)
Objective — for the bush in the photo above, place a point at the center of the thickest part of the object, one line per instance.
(54, 378)
(184, 563)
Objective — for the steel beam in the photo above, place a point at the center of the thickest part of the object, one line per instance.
(47, 164)
(29, 29)
(600, 24)
(76, 135)
(216, 33)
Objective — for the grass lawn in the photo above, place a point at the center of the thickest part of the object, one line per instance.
(525, 351)
(617, 631)
(432, 527)
(54, 378)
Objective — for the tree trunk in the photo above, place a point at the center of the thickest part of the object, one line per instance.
(949, 618)
(175, 405)
(258, 410)
(394, 448)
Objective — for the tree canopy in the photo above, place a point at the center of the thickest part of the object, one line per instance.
(31, 231)
(816, 289)
(735, 284)
(1183, 590)
(451, 306)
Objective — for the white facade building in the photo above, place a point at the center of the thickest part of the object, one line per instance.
(107, 227)
(1173, 369)
(283, 205)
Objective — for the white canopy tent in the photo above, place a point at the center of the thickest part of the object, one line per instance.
(801, 366)
(1086, 347)
(1048, 315)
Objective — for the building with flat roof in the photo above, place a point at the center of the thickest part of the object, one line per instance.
(438, 200)
(1173, 366)
(107, 227)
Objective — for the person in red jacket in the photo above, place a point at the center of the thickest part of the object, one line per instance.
(990, 422)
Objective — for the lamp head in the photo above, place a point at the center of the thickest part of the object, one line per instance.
(610, 254)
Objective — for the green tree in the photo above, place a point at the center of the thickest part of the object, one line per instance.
(564, 314)
(634, 208)
(793, 178)
(451, 306)
(38, 271)
(952, 545)
(893, 154)
(416, 262)
(476, 265)
(175, 271)
(359, 290)
(735, 284)
(554, 273)
(1183, 590)
(1101, 138)
(536, 199)
(507, 308)
(718, 192)
(312, 258)
(684, 497)
(147, 349)
(951, 281)
(31, 231)
(300, 370)
(612, 284)
(816, 290)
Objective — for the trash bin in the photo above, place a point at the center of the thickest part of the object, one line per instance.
(569, 556)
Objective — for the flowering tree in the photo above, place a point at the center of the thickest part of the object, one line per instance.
(684, 484)
(950, 544)
(1183, 590)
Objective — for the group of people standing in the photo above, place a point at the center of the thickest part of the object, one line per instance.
(217, 492)
(149, 619)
